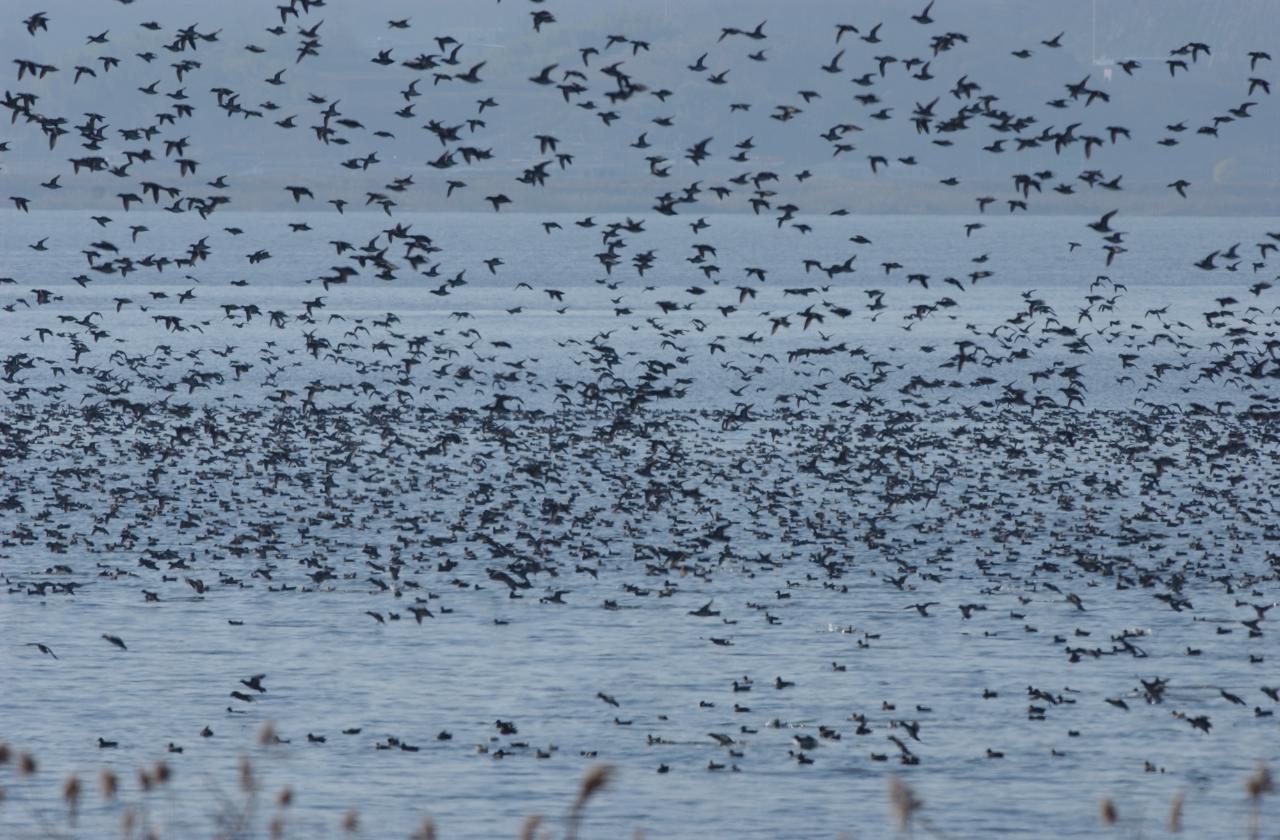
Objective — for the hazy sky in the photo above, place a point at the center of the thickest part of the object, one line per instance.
(1238, 170)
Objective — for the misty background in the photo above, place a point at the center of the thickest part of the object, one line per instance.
(1236, 172)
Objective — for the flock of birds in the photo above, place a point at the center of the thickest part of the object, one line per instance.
(311, 461)
(1136, 580)
(154, 165)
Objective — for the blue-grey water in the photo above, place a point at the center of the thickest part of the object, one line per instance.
(811, 526)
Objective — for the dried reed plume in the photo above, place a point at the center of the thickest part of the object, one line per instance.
(108, 784)
(238, 820)
(529, 830)
(1257, 785)
(906, 807)
(71, 796)
(247, 782)
(1107, 811)
(904, 802)
(593, 781)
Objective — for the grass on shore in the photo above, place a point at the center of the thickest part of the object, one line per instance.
(247, 818)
